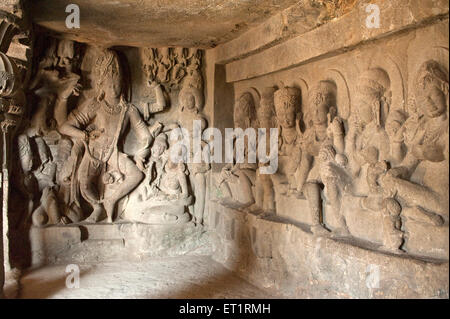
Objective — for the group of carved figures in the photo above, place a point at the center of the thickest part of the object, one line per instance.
(382, 157)
(169, 66)
(70, 158)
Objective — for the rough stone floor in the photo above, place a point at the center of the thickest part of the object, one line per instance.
(175, 277)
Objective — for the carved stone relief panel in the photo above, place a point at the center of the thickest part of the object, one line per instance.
(170, 66)
(73, 155)
(359, 146)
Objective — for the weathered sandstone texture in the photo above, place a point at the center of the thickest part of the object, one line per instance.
(288, 259)
(151, 279)
(108, 151)
(352, 196)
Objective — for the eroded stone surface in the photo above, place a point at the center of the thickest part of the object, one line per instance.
(334, 36)
(359, 180)
(172, 278)
(72, 163)
(289, 258)
(353, 164)
(89, 243)
(357, 205)
(199, 23)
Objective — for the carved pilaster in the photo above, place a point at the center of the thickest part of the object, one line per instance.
(11, 109)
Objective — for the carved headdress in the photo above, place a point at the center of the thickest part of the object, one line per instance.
(324, 92)
(106, 65)
(431, 74)
(375, 82)
(287, 99)
(376, 85)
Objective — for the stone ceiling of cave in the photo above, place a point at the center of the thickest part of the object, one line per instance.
(154, 23)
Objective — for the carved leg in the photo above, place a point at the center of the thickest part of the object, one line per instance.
(38, 122)
(423, 216)
(259, 193)
(269, 193)
(25, 216)
(109, 208)
(199, 193)
(74, 213)
(312, 194)
(332, 194)
(88, 178)
(30, 209)
(60, 112)
(416, 195)
(39, 217)
(245, 186)
(96, 213)
(225, 192)
(268, 204)
(301, 174)
(392, 237)
(133, 177)
(70, 191)
(51, 206)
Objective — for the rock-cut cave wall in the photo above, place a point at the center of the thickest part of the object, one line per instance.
(357, 206)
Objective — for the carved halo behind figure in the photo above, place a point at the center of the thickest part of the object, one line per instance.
(256, 98)
(397, 85)
(343, 99)
(196, 93)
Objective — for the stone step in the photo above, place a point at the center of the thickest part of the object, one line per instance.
(112, 242)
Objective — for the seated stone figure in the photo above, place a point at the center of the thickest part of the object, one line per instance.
(373, 148)
(422, 181)
(189, 112)
(367, 122)
(154, 168)
(105, 174)
(237, 179)
(169, 200)
(287, 111)
(153, 171)
(325, 130)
